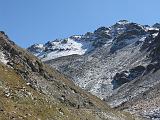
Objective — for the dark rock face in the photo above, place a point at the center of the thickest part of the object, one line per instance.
(157, 25)
(135, 72)
(147, 43)
(120, 79)
(155, 53)
(152, 45)
(36, 48)
(101, 29)
(136, 28)
(102, 33)
(102, 36)
(153, 31)
(130, 35)
(100, 42)
(126, 76)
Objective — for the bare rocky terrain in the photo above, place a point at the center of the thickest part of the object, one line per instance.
(31, 90)
(122, 68)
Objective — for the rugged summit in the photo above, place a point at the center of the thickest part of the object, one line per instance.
(84, 44)
(109, 50)
(122, 66)
(30, 90)
(58, 48)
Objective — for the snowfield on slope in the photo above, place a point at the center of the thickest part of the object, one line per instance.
(3, 59)
(71, 47)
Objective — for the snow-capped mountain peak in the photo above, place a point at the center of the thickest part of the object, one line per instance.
(122, 32)
(119, 64)
(59, 48)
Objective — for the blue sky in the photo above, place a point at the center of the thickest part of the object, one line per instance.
(38, 21)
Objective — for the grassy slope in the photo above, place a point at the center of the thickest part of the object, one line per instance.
(20, 101)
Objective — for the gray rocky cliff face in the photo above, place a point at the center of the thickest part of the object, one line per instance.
(121, 51)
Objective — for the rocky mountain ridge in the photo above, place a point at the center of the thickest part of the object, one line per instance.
(83, 44)
(109, 41)
(31, 90)
(121, 69)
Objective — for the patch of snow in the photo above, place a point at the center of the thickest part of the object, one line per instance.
(154, 35)
(58, 49)
(3, 58)
(142, 39)
(123, 22)
(39, 45)
(151, 28)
